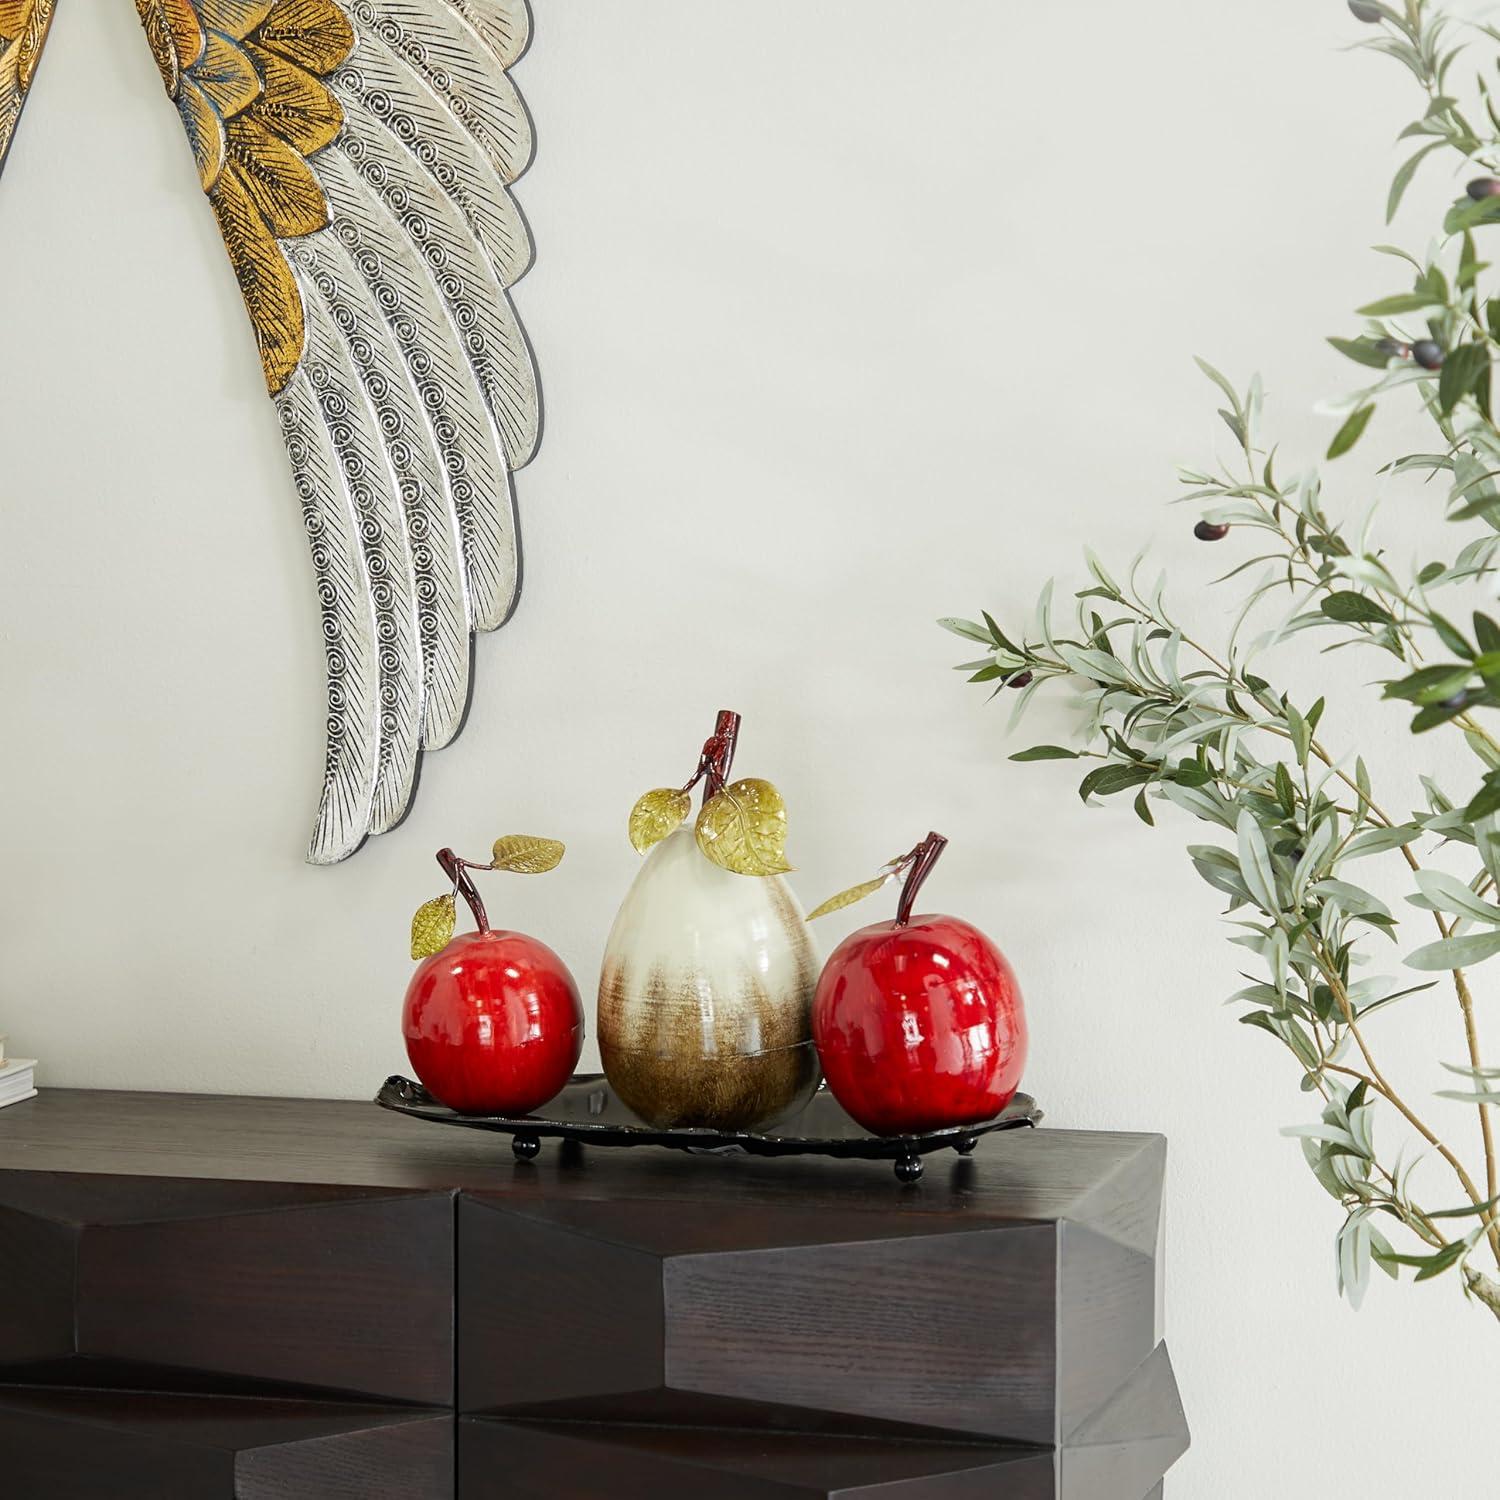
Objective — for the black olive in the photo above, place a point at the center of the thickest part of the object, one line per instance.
(1428, 353)
(1020, 680)
(1211, 531)
(1483, 187)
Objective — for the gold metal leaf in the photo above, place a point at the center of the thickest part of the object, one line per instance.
(176, 36)
(265, 279)
(743, 828)
(226, 75)
(853, 894)
(657, 814)
(188, 36)
(235, 18)
(314, 34)
(293, 104)
(205, 132)
(278, 181)
(432, 926)
(523, 854)
(23, 30)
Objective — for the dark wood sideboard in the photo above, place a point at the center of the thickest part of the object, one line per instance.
(274, 1299)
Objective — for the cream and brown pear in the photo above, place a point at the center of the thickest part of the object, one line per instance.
(705, 996)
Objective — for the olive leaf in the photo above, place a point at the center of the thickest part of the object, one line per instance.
(853, 894)
(656, 814)
(432, 926)
(523, 854)
(742, 828)
(1352, 430)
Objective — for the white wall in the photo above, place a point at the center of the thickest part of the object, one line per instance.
(849, 315)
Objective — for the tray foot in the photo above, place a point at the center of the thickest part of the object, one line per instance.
(908, 1168)
(966, 1145)
(526, 1147)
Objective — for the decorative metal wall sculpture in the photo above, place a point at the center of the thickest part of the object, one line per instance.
(23, 32)
(358, 156)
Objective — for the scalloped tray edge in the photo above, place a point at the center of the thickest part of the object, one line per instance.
(406, 1097)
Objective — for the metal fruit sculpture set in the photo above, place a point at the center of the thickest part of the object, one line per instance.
(713, 1008)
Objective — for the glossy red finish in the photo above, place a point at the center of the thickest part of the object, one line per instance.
(493, 1023)
(920, 1026)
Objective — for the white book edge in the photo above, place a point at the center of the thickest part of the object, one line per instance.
(14, 1066)
(19, 1099)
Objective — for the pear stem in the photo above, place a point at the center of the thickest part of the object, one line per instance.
(923, 858)
(457, 870)
(718, 753)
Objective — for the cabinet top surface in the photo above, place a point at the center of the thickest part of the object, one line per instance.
(1021, 1174)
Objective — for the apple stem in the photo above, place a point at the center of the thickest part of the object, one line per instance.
(717, 756)
(457, 870)
(923, 858)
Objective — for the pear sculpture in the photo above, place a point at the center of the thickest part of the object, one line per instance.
(705, 996)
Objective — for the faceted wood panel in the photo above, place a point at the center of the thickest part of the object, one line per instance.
(91, 1445)
(950, 1331)
(506, 1460)
(660, 1316)
(39, 1257)
(586, 1310)
(1131, 1440)
(1106, 1323)
(347, 1290)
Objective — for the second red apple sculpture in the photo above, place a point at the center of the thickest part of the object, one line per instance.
(918, 1021)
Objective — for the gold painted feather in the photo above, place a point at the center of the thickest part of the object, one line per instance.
(251, 144)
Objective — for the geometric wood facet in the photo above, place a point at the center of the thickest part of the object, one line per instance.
(104, 1445)
(252, 1299)
(338, 1289)
(504, 1460)
(1131, 1440)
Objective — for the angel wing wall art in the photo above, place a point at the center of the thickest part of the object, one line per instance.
(358, 157)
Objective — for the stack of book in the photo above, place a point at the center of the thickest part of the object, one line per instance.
(17, 1078)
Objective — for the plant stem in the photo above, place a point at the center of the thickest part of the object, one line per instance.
(1466, 1002)
(1378, 1080)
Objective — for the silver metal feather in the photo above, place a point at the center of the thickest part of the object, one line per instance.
(415, 397)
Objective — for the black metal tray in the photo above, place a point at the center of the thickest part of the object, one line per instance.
(587, 1111)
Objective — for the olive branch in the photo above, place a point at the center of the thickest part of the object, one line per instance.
(1172, 719)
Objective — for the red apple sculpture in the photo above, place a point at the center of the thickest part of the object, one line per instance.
(918, 1022)
(493, 1021)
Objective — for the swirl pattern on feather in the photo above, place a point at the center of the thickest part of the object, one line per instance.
(358, 156)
